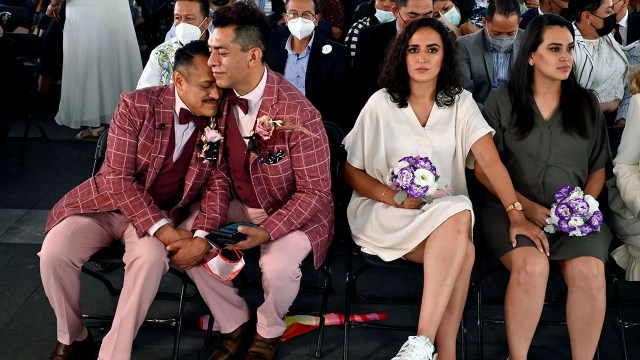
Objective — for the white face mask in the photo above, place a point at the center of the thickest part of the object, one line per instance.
(384, 16)
(301, 28)
(453, 15)
(187, 33)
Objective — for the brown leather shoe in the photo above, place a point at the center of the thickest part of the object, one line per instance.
(232, 345)
(263, 348)
(78, 350)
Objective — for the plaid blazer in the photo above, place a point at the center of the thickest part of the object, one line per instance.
(136, 148)
(296, 190)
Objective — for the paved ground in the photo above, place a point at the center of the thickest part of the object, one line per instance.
(27, 326)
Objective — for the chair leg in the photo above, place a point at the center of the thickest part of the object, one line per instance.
(348, 294)
(480, 319)
(323, 310)
(176, 339)
(208, 339)
(618, 299)
(463, 339)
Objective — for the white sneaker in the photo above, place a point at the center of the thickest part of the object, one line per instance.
(416, 348)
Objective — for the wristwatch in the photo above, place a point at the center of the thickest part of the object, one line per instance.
(514, 206)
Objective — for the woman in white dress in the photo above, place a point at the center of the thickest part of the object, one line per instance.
(101, 61)
(624, 197)
(424, 111)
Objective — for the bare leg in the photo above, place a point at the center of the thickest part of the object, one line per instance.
(450, 324)
(446, 256)
(525, 297)
(586, 304)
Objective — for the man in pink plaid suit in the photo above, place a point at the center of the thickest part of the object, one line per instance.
(276, 176)
(145, 195)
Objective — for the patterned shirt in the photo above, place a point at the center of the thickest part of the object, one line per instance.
(160, 65)
(352, 36)
(501, 66)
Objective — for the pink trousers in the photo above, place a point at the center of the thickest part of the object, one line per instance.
(280, 264)
(69, 245)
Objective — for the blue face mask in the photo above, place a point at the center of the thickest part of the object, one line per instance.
(501, 44)
(453, 15)
(384, 16)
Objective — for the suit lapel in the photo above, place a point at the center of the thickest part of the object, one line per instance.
(315, 65)
(164, 109)
(269, 99)
(488, 56)
(280, 58)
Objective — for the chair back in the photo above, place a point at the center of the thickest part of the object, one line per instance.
(101, 150)
(339, 189)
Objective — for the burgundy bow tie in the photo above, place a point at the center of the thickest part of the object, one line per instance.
(242, 104)
(186, 117)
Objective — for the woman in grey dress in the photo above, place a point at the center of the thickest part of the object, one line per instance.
(550, 132)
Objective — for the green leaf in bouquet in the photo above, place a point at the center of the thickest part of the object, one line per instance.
(400, 197)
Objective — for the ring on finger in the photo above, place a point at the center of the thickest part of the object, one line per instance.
(541, 232)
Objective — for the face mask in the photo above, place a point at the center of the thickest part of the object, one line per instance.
(566, 14)
(225, 264)
(384, 16)
(501, 44)
(609, 25)
(301, 28)
(453, 15)
(187, 33)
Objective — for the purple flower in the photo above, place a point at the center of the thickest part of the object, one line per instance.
(586, 229)
(596, 220)
(563, 193)
(405, 177)
(563, 225)
(417, 191)
(564, 212)
(579, 206)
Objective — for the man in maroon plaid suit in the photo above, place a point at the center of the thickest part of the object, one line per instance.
(281, 183)
(145, 195)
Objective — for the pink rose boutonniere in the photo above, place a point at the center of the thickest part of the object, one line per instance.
(265, 132)
(208, 144)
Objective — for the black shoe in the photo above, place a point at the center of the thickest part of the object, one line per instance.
(78, 350)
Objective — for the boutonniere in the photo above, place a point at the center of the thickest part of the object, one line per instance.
(263, 131)
(207, 147)
(266, 132)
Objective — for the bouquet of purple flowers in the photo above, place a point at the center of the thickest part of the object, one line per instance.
(417, 177)
(574, 212)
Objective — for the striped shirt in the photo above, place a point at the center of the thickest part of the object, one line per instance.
(501, 65)
(352, 36)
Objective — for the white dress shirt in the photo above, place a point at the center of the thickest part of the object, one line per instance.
(246, 122)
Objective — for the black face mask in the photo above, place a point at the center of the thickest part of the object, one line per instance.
(607, 27)
(566, 14)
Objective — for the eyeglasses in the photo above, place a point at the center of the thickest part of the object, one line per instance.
(305, 15)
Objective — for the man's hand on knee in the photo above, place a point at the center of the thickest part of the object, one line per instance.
(188, 253)
(168, 234)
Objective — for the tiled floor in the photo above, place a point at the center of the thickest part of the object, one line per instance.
(27, 325)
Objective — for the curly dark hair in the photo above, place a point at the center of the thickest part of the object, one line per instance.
(251, 25)
(395, 76)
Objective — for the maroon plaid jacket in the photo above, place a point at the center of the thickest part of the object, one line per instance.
(136, 147)
(296, 191)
